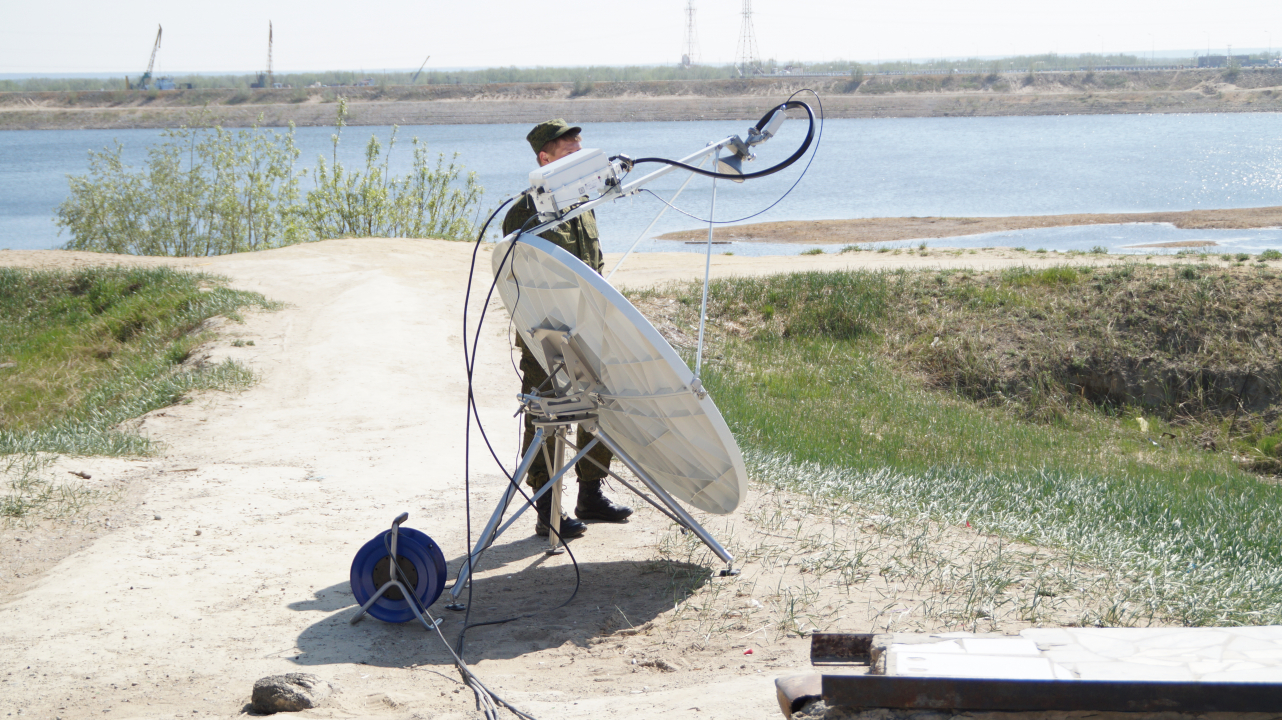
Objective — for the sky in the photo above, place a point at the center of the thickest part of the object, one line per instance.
(116, 38)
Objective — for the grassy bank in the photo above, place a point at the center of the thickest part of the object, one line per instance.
(970, 399)
(83, 351)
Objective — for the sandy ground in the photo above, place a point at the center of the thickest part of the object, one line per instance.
(873, 230)
(226, 558)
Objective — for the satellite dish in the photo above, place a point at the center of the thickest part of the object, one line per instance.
(650, 404)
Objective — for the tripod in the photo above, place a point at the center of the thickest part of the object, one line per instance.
(571, 401)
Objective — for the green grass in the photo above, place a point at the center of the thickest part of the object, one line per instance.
(83, 351)
(947, 395)
(1192, 549)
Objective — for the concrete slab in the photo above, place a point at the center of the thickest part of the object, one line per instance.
(1244, 654)
(913, 663)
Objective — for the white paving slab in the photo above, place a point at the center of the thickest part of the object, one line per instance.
(1000, 646)
(909, 662)
(1240, 654)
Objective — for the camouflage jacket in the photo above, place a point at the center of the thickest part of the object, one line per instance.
(578, 236)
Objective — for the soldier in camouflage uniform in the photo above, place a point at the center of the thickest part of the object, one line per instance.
(553, 140)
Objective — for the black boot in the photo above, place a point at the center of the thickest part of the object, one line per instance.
(570, 528)
(594, 505)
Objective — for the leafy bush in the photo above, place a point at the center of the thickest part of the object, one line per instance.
(210, 191)
(1270, 255)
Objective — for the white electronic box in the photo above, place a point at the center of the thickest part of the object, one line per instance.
(575, 178)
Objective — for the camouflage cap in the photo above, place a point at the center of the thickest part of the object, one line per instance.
(546, 132)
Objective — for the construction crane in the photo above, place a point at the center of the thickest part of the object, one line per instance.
(270, 80)
(420, 70)
(265, 80)
(146, 77)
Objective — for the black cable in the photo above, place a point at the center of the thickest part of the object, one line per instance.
(469, 678)
(469, 359)
(473, 412)
(805, 145)
(804, 170)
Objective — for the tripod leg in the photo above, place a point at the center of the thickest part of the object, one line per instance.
(672, 504)
(554, 518)
(490, 531)
(549, 487)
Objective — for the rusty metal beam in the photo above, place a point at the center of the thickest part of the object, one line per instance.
(880, 691)
(844, 648)
(795, 691)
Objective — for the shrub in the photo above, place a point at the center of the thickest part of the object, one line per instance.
(210, 191)
(1270, 255)
(429, 202)
(1272, 446)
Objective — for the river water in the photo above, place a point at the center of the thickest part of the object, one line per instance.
(864, 168)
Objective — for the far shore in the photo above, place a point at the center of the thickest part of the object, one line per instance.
(959, 95)
(874, 230)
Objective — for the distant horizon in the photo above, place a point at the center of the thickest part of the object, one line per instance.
(106, 75)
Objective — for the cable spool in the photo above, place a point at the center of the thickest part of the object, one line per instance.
(422, 568)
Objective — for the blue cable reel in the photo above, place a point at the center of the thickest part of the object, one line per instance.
(422, 568)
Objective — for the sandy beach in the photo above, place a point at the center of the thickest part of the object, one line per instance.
(875, 230)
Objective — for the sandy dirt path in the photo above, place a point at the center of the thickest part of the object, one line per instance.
(229, 559)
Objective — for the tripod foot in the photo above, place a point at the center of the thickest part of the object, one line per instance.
(728, 572)
(456, 606)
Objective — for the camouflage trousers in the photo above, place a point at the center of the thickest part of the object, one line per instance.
(532, 376)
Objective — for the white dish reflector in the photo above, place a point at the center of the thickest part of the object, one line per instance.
(647, 404)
